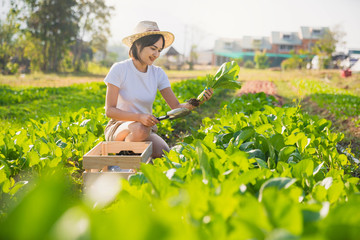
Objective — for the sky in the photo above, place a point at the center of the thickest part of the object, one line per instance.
(201, 22)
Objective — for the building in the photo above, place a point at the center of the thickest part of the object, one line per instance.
(351, 60)
(310, 35)
(252, 44)
(278, 45)
(173, 59)
(205, 57)
(226, 48)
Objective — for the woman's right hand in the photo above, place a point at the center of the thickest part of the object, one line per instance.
(148, 120)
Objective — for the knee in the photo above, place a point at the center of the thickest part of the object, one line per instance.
(139, 132)
(158, 150)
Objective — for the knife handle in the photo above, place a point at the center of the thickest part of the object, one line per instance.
(162, 118)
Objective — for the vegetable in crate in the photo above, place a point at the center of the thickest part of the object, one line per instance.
(225, 77)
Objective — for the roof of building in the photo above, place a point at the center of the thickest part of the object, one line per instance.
(285, 38)
(172, 52)
(254, 43)
(251, 54)
(227, 44)
(312, 32)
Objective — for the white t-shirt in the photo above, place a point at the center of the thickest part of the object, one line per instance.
(137, 89)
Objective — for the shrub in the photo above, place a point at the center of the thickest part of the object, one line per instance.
(95, 68)
(261, 60)
(289, 63)
(249, 64)
(240, 61)
(11, 68)
(294, 62)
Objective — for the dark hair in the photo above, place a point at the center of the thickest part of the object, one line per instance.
(144, 42)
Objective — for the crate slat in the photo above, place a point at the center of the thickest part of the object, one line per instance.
(125, 162)
(95, 150)
(98, 158)
(136, 147)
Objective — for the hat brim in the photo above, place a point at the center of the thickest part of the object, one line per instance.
(168, 36)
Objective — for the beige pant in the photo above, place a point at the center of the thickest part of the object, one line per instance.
(114, 125)
(111, 128)
(114, 128)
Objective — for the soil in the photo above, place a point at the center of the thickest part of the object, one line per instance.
(126, 153)
(194, 102)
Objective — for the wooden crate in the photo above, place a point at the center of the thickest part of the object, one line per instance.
(97, 160)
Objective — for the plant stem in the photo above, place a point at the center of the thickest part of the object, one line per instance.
(201, 95)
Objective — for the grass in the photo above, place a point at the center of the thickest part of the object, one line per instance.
(68, 79)
(48, 80)
(283, 78)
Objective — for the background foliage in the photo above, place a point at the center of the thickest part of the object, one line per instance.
(53, 36)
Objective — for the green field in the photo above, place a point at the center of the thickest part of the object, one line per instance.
(232, 159)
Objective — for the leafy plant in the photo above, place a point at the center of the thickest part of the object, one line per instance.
(225, 77)
(251, 159)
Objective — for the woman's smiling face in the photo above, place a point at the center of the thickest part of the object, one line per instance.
(149, 54)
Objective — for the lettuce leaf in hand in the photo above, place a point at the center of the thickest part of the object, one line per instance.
(225, 77)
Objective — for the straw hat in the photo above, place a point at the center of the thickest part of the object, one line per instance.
(146, 28)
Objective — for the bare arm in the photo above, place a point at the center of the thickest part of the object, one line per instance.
(173, 102)
(111, 111)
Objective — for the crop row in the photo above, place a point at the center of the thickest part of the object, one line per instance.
(254, 171)
(340, 102)
(18, 105)
(255, 159)
(53, 141)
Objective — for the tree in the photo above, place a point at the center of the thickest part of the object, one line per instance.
(8, 43)
(261, 60)
(193, 57)
(94, 17)
(326, 45)
(54, 23)
(54, 34)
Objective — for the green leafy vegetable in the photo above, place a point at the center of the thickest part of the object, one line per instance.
(225, 77)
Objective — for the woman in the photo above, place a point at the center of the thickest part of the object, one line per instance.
(132, 85)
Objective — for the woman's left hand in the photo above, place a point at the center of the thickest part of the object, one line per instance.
(208, 94)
